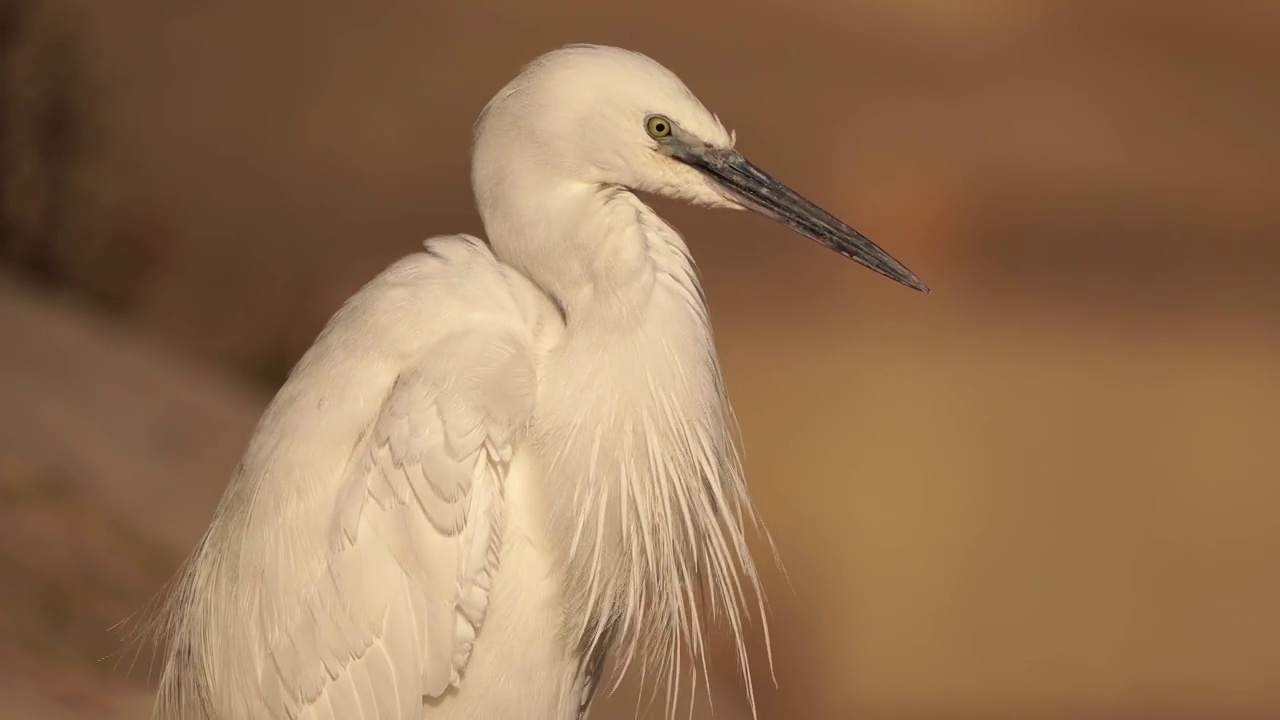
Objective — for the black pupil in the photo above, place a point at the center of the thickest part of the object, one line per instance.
(659, 127)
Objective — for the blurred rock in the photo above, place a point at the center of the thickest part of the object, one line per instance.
(112, 456)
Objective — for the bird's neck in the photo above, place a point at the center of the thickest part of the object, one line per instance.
(646, 490)
(595, 250)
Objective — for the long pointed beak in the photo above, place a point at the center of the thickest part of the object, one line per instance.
(758, 190)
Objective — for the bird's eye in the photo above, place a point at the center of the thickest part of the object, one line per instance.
(657, 126)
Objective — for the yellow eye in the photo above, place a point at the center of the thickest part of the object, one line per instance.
(657, 126)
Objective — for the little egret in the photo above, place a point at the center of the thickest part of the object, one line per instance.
(502, 465)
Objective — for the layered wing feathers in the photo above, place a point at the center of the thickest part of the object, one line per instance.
(414, 540)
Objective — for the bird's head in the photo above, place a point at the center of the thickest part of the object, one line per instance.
(611, 117)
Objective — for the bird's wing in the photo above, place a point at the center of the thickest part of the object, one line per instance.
(413, 541)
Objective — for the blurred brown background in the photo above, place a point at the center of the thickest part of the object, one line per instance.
(1048, 490)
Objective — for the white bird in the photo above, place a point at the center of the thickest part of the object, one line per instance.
(502, 464)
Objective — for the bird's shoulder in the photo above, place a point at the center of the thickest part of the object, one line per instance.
(460, 273)
(454, 284)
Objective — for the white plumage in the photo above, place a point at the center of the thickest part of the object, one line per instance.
(500, 465)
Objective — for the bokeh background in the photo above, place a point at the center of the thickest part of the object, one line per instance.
(1051, 489)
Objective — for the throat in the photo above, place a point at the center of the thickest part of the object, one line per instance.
(602, 259)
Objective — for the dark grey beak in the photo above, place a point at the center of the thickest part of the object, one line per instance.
(759, 191)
